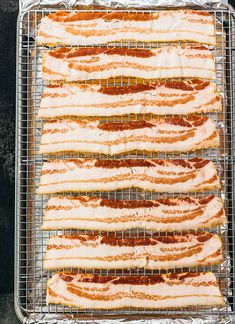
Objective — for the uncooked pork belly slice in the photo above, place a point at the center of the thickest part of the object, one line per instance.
(160, 98)
(72, 64)
(171, 214)
(153, 291)
(83, 175)
(155, 135)
(110, 252)
(92, 28)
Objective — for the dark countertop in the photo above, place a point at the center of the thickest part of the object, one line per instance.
(8, 17)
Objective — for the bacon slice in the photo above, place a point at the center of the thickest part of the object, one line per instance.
(91, 28)
(101, 252)
(156, 135)
(72, 64)
(172, 214)
(160, 291)
(105, 175)
(160, 98)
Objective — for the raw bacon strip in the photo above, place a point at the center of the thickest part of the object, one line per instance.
(172, 214)
(155, 135)
(153, 291)
(101, 252)
(91, 28)
(72, 64)
(105, 175)
(160, 98)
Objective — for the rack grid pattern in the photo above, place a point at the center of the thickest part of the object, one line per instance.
(31, 241)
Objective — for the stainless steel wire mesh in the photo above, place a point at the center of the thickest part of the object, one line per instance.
(31, 241)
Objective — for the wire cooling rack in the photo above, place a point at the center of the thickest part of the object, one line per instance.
(31, 242)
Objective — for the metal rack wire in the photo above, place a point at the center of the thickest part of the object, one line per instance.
(31, 241)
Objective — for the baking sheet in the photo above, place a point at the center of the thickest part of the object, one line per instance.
(116, 4)
(32, 278)
(203, 320)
